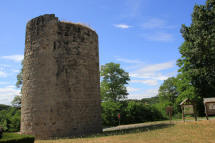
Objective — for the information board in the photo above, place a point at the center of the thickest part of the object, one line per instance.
(188, 109)
(210, 108)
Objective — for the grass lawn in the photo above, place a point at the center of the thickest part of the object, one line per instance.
(188, 132)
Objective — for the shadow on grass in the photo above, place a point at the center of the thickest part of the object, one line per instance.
(144, 128)
(121, 131)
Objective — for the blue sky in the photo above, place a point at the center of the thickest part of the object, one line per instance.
(142, 35)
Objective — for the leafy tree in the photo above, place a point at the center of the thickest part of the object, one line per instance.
(110, 110)
(151, 100)
(113, 82)
(137, 112)
(130, 112)
(19, 78)
(10, 119)
(168, 91)
(198, 50)
(185, 88)
(167, 96)
(17, 101)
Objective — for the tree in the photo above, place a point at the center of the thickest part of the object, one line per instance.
(110, 110)
(113, 82)
(198, 50)
(10, 119)
(168, 91)
(17, 101)
(185, 88)
(168, 95)
(19, 77)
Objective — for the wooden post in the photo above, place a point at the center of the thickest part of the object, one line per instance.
(194, 108)
(170, 115)
(182, 108)
(169, 110)
(206, 111)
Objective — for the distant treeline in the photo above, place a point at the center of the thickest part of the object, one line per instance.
(10, 118)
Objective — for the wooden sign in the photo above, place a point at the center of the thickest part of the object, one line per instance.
(188, 109)
(209, 104)
(169, 110)
(210, 108)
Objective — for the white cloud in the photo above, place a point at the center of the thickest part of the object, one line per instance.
(15, 58)
(7, 94)
(3, 83)
(157, 67)
(145, 94)
(133, 8)
(151, 75)
(154, 76)
(142, 76)
(122, 26)
(132, 89)
(15, 71)
(159, 37)
(154, 23)
(153, 71)
(129, 61)
(4, 66)
(157, 23)
(3, 74)
(151, 82)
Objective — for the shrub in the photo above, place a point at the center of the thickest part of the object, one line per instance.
(130, 112)
(138, 112)
(10, 119)
(109, 113)
(16, 138)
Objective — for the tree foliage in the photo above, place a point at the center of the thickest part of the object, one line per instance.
(168, 96)
(174, 90)
(17, 101)
(10, 119)
(185, 88)
(19, 78)
(113, 82)
(130, 112)
(198, 50)
(168, 90)
(110, 110)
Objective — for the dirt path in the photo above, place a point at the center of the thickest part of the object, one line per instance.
(150, 124)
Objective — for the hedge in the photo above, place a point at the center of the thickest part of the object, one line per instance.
(16, 138)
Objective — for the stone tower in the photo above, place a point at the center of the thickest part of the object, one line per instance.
(60, 90)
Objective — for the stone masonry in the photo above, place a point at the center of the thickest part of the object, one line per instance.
(61, 96)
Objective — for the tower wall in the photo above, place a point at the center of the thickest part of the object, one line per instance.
(60, 90)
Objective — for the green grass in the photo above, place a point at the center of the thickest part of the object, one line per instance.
(16, 138)
(188, 132)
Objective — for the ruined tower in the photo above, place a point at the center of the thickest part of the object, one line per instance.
(60, 79)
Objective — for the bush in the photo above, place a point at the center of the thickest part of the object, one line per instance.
(10, 119)
(110, 110)
(138, 112)
(130, 112)
(16, 138)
